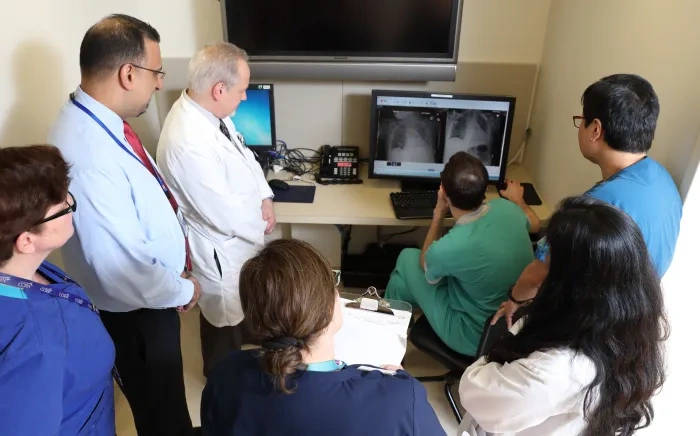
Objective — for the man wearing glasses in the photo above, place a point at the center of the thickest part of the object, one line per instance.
(129, 249)
(615, 132)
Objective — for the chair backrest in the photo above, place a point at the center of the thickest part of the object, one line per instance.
(493, 333)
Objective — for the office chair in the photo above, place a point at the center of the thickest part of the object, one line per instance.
(426, 340)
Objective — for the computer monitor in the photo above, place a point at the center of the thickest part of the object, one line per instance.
(413, 134)
(255, 117)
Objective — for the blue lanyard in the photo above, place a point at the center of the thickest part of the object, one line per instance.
(119, 143)
(57, 290)
(327, 366)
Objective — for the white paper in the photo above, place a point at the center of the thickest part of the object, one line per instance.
(372, 338)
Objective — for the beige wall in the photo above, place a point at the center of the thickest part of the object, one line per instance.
(588, 40)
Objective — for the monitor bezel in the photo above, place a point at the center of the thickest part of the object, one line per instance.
(447, 96)
(273, 146)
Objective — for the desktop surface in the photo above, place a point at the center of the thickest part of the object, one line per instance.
(367, 203)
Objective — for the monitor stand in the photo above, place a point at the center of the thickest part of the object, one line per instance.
(420, 185)
(263, 159)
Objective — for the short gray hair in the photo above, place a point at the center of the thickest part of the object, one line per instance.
(213, 64)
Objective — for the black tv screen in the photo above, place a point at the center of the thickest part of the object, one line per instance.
(337, 29)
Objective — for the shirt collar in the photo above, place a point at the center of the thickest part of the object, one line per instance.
(110, 119)
(208, 115)
(474, 215)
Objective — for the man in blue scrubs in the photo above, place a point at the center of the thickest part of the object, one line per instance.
(615, 132)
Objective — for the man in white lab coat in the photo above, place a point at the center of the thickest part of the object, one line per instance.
(220, 187)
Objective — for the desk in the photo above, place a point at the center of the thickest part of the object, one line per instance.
(368, 203)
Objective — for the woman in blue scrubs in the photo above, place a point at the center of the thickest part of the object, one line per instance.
(293, 385)
(56, 358)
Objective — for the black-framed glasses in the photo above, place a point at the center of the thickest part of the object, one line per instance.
(161, 72)
(336, 276)
(577, 120)
(72, 207)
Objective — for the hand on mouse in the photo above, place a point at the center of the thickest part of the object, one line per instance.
(514, 191)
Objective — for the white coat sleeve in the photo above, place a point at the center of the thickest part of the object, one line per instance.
(202, 179)
(263, 187)
(522, 394)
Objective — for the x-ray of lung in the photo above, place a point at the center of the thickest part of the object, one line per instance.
(479, 133)
(409, 135)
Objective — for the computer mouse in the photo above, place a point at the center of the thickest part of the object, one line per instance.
(278, 184)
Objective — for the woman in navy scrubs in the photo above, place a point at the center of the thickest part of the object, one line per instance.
(56, 358)
(294, 385)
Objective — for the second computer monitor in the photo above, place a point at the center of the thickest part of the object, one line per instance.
(413, 134)
(255, 117)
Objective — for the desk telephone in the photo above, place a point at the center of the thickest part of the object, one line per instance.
(339, 165)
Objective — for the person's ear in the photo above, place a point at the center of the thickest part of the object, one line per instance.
(24, 243)
(596, 130)
(217, 92)
(126, 76)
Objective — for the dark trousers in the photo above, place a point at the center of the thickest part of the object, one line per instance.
(217, 342)
(149, 361)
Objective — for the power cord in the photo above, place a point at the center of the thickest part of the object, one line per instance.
(528, 133)
(294, 160)
(387, 238)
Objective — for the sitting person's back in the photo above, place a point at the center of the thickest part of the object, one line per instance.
(460, 279)
(241, 399)
(293, 385)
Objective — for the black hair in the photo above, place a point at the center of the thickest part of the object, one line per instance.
(603, 299)
(114, 41)
(464, 180)
(627, 108)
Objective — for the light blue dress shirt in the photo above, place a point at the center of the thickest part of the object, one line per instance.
(128, 250)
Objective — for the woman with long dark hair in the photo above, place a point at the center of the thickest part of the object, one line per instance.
(589, 355)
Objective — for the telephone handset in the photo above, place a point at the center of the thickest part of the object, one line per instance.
(339, 164)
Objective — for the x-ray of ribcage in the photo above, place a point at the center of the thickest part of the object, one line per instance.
(473, 131)
(408, 136)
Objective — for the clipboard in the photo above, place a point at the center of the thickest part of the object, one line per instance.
(375, 330)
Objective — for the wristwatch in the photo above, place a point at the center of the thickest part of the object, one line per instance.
(518, 302)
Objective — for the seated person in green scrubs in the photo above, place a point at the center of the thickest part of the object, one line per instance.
(460, 279)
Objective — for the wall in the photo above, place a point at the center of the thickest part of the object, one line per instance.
(675, 413)
(588, 40)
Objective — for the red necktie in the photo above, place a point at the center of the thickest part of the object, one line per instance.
(136, 145)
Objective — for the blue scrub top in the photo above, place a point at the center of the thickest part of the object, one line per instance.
(55, 364)
(240, 399)
(647, 193)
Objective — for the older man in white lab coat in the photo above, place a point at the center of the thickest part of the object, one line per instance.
(221, 189)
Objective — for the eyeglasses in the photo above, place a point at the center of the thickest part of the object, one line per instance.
(577, 120)
(161, 72)
(336, 276)
(72, 207)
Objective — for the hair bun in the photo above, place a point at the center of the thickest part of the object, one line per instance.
(281, 343)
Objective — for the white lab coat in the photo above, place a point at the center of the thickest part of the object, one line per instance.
(219, 187)
(542, 394)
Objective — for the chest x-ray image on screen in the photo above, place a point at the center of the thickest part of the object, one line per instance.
(477, 132)
(409, 135)
(413, 134)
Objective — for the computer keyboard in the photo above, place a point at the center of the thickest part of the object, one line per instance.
(414, 204)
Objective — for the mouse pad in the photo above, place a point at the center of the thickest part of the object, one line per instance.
(529, 195)
(295, 194)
